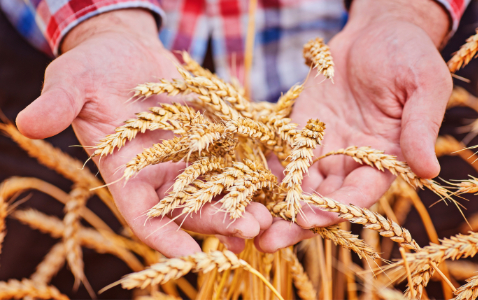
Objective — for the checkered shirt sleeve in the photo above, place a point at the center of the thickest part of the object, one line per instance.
(45, 22)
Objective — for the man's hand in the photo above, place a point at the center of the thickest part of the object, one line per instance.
(89, 85)
(390, 93)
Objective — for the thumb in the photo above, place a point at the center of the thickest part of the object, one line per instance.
(52, 112)
(421, 119)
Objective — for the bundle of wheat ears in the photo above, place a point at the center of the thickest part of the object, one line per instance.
(225, 139)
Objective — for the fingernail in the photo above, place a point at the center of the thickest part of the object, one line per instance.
(239, 234)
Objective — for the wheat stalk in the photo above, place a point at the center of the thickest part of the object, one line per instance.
(463, 56)
(305, 289)
(468, 291)
(381, 161)
(88, 237)
(26, 288)
(317, 55)
(300, 160)
(71, 221)
(50, 265)
(170, 269)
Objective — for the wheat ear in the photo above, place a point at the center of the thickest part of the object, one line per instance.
(88, 237)
(197, 169)
(5, 194)
(71, 222)
(304, 143)
(170, 269)
(422, 262)
(50, 265)
(304, 286)
(163, 117)
(317, 55)
(340, 237)
(26, 288)
(468, 291)
(287, 101)
(463, 56)
(367, 218)
(468, 186)
(55, 159)
(381, 161)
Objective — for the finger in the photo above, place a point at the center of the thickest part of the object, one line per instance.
(233, 244)
(281, 234)
(362, 187)
(422, 116)
(57, 107)
(133, 201)
(209, 220)
(261, 214)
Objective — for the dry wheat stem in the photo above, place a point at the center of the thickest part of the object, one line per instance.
(340, 237)
(50, 265)
(170, 269)
(317, 55)
(301, 155)
(26, 288)
(304, 286)
(468, 291)
(88, 237)
(381, 161)
(365, 217)
(71, 222)
(463, 56)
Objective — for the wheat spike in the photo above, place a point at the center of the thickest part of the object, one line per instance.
(468, 186)
(51, 264)
(381, 161)
(5, 194)
(287, 101)
(463, 56)
(468, 291)
(367, 218)
(450, 248)
(71, 221)
(88, 237)
(170, 269)
(340, 237)
(317, 55)
(55, 159)
(300, 159)
(26, 288)
(163, 117)
(304, 286)
(198, 168)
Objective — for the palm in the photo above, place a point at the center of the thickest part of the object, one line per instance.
(101, 73)
(381, 73)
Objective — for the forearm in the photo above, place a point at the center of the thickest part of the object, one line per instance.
(426, 14)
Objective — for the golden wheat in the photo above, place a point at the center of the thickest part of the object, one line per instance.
(26, 288)
(463, 56)
(50, 265)
(317, 55)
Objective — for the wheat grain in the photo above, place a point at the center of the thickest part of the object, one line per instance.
(317, 55)
(26, 288)
(300, 159)
(88, 237)
(71, 221)
(468, 291)
(463, 56)
(50, 265)
(305, 289)
(381, 161)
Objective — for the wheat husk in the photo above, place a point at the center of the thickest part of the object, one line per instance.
(463, 56)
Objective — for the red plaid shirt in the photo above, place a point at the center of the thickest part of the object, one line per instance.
(282, 27)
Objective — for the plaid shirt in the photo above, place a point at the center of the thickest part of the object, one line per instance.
(282, 27)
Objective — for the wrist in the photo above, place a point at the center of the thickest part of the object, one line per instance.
(137, 22)
(429, 15)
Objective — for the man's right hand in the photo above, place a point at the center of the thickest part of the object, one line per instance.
(88, 86)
